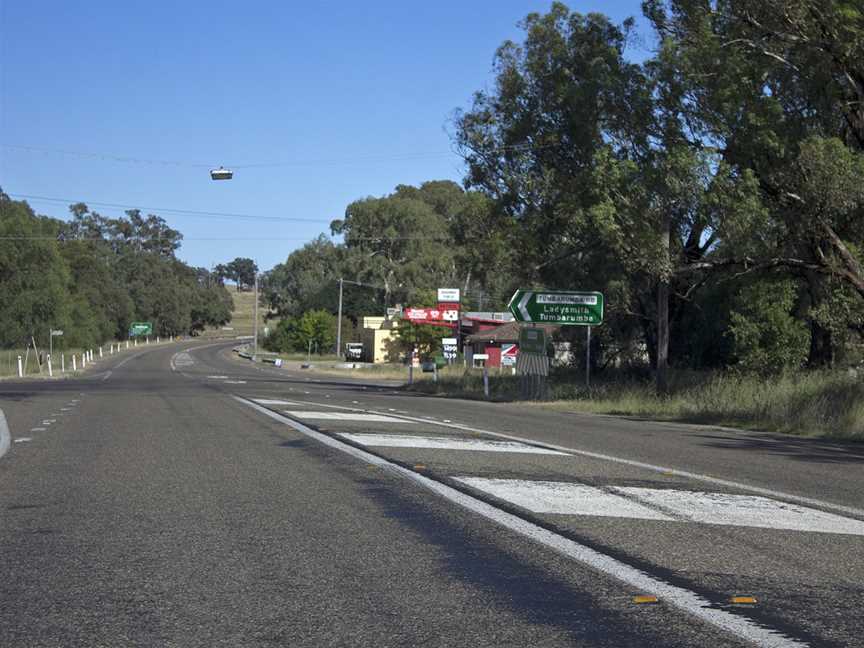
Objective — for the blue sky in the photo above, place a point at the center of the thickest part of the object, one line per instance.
(349, 98)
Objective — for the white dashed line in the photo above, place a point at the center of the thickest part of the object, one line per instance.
(38, 429)
(22, 440)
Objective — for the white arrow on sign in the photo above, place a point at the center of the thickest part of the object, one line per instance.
(523, 303)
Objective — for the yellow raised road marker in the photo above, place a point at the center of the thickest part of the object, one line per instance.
(419, 467)
(644, 598)
(743, 600)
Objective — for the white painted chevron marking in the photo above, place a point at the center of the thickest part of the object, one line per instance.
(663, 504)
(344, 416)
(445, 443)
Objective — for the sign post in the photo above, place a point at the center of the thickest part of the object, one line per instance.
(52, 334)
(566, 308)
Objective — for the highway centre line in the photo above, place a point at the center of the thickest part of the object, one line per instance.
(668, 505)
(718, 481)
(679, 597)
(445, 443)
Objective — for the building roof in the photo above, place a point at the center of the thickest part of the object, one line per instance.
(508, 332)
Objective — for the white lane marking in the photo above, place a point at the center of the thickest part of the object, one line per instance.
(444, 443)
(728, 483)
(181, 359)
(683, 599)
(743, 510)
(49, 421)
(768, 492)
(343, 416)
(106, 376)
(663, 504)
(218, 377)
(235, 382)
(22, 440)
(125, 360)
(563, 498)
(65, 409)
(5, 436)
(38, 429)
(273, 401)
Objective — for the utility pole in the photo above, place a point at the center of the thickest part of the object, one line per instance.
(339, 322)
(255, 352)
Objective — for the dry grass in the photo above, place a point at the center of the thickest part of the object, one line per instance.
(243, 318)
(829, 404)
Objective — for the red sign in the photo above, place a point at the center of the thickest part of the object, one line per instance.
(434, 316)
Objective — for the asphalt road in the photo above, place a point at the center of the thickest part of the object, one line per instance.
(176, 496)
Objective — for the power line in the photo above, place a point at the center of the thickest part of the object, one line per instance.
(167, 210)
(384, 157)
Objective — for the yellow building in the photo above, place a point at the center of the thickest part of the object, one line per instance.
(378, 336)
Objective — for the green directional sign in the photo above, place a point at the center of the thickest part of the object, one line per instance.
(137, 329)
(557, 307)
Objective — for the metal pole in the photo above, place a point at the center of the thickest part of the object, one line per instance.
(588, 358)
(50, 370)
(255, 352)
(339, 323)
(50, 341)
(485, 380)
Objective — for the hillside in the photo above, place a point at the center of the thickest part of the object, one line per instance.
(242, 319)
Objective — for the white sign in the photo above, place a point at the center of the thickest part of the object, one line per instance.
(449, 341)
(56, 333)
(584, 300)
(450, 315)
(448, 295)
(481, 356)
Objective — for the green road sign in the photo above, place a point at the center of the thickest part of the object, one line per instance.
(137, 329)
(557, 307)
(532, 340)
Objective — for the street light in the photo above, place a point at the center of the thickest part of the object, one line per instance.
(221, 174)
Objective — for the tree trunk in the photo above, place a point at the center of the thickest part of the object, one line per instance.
(821, 346)
(663, 336)
(663, 310)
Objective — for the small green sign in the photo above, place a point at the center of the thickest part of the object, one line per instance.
(138, 329)
(532, 340)
(557, 307)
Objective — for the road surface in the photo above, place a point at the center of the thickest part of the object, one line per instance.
(175, 496)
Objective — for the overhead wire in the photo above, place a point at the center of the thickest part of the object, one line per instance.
(384, 157)
(167, 210)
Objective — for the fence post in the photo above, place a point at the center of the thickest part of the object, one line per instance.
(62, 363)
(50, 371)
(74, 363)
(20, 368)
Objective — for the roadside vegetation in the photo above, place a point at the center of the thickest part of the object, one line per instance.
(816, 403)
(713, 190)
(92, 276)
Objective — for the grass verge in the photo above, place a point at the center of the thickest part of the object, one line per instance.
(823, 403)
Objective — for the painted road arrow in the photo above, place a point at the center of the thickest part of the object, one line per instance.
(557, 307)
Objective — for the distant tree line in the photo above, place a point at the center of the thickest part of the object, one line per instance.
(714, 192)
(92, 276)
